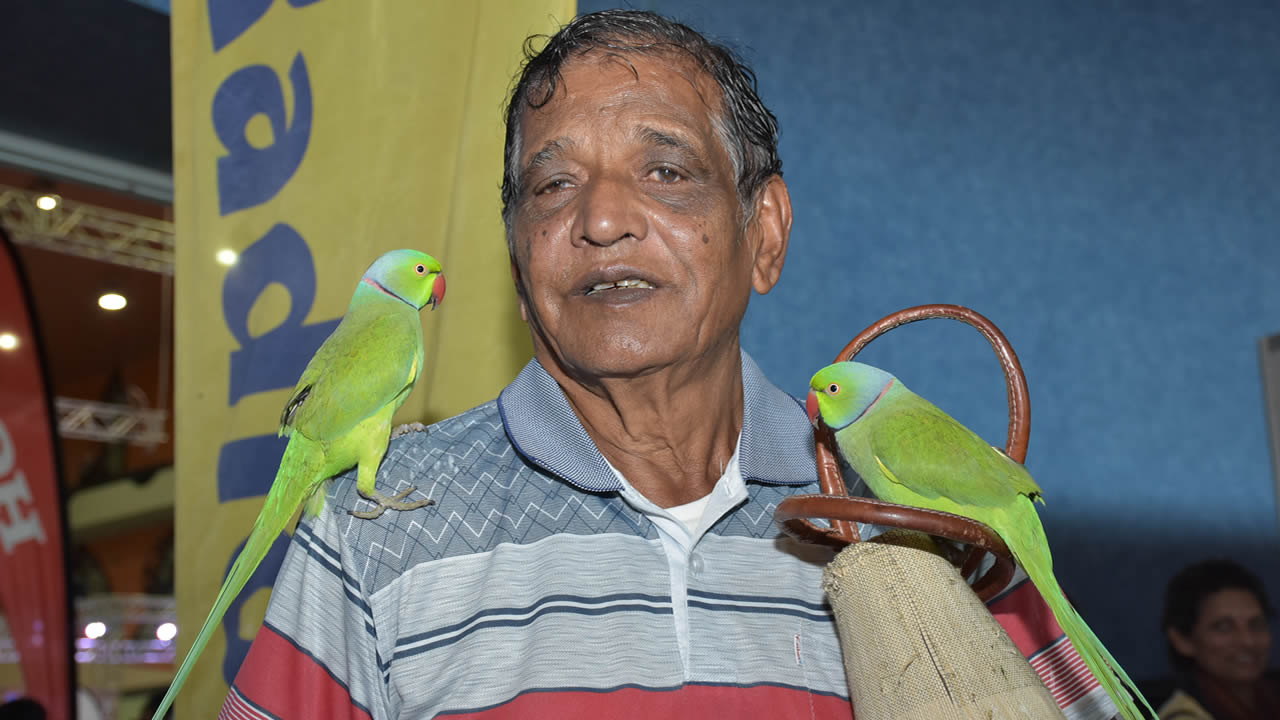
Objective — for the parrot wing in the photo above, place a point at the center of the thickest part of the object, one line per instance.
(927, 451)
(367, 362)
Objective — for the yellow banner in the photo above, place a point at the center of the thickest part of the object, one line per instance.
(311, 136)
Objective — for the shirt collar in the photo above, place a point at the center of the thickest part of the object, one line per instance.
(776, 446)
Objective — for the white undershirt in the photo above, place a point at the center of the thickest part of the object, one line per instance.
(691, 513)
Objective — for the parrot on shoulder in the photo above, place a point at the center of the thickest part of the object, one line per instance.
(339, 416)
(911, 453)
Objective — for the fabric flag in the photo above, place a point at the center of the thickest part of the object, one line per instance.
(309, 138)
(33, 568)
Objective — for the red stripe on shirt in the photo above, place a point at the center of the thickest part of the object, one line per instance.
(1064, 672)
(235, 708)
(281, 680)
(1067, 678)
(690, 701)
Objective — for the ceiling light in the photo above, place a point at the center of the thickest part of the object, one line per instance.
(112, 301)
(8, 341)
(166, 632)
(47, 202)
(95, 630)
(226, 257)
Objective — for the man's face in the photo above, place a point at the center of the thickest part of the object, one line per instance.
(627, 234)
(1231, 640)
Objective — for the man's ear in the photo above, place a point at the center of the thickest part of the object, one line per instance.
(1181, 643)
(515, 278)
(770, 231)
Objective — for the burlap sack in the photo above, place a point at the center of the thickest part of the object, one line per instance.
(919, 645)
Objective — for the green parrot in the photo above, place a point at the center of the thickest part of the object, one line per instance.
(339, 416)
(911, 453)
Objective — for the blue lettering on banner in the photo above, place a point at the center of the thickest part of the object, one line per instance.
(249, 176)
(277, 358)
(246, 467)
(228, 19)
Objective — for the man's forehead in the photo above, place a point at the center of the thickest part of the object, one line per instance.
(636, 61)
(690, 95)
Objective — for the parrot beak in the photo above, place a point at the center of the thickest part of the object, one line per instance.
(437, 291)
(811, 407)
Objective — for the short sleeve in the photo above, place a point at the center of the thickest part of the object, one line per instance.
(316, 654)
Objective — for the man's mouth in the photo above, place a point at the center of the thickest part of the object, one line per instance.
(1246, 658)
(624, 284)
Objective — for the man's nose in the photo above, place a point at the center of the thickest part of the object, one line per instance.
(609, 210)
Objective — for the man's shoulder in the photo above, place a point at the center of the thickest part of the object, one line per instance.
(439, 460)
(1182, 706)
(484, 494)
(484, 420)
(464, 464)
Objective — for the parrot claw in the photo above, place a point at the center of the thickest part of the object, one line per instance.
(385, 503)
(407, 428)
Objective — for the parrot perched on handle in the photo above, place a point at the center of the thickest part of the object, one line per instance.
(911, 453)
(339, 416)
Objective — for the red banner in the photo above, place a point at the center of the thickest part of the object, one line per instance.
(33, 579)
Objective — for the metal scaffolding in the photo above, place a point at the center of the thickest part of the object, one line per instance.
(107, 422)
(128, 633)
(88, 231)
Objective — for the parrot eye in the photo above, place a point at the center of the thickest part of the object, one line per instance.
(832, 389)
(422, 269)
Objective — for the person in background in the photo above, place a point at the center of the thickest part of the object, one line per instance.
(1217, 623)
(24, 708)
(152, 705)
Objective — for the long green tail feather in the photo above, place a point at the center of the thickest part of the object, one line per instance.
(301, 464)
(1100, 661)
(1031, 549)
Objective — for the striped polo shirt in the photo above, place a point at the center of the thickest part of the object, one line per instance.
(542, 585)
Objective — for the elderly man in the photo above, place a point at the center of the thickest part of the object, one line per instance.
(602, 540)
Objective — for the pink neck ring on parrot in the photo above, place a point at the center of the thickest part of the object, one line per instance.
(378, 286)
(883, 390)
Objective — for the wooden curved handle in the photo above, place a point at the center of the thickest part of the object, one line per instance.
(845, 512)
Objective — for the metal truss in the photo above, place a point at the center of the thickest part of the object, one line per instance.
(107, 422)
(88, 231)
(129, 636)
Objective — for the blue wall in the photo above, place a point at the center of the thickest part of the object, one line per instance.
(1103, 181)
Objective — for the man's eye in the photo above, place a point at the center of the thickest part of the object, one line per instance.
(553, 186)
(666, 174)
(1222, 626)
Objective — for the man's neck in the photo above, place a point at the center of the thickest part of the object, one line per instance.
(1239, 698)
(669, 432)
